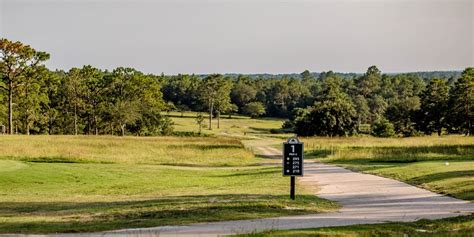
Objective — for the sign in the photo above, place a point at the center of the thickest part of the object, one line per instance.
(293, 157)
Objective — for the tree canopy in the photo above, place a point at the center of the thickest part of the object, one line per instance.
(89, 100)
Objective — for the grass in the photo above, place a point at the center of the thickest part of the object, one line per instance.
(92, 183)
(457, 226)
(52, 184)
(78, 197)
(236, 125)
(198, 151)
(440, 164)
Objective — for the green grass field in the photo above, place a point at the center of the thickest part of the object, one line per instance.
(236, 125)
(92, 183)
(184, 151)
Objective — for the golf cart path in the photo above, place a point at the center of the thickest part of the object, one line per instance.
(365, 199)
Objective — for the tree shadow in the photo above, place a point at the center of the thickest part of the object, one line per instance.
(444, 175)
(71, 217)
(205, 147)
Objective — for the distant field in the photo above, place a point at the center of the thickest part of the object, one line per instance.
(441, 164)
(236, 125)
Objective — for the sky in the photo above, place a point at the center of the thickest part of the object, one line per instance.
(246, 36)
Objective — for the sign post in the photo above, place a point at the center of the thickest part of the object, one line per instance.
(293, 162)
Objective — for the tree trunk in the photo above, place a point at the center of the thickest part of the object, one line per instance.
(470, 128)
(439, 132)
(211, 105)
(96, 131)
(75, 117)
(218, 118)
(122, 127)
(27, 118)
(10, 107)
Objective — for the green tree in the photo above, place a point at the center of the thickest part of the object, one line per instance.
(15, 60)
(215, 93)
(223, 103)
(461, 103)
(74, 93)
(123, 97)
(242, 93)
(199, 121)
(383, 128)
(31, 94)
(332, 115)
(92, 96)
(52, 109)
(369, 82)
(377, 105)
(254, 109)
(402, 113)
(434, 106)
(363, 111)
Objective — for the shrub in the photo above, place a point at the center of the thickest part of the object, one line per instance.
(383, 128)
(254, 109)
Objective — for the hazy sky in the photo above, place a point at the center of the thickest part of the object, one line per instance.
(246, 36)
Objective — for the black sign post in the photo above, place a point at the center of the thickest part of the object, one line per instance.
(293, 162)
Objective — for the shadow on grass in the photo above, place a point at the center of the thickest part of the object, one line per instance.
(206, 147)
(27, 217)
(442, 176)
(206, 116)
(271, 157)
(55, 159)
(261, 130)
(262, 171)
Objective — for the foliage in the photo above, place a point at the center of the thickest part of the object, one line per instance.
(215, 94)
(332, 115)
(434, 107)
(199, 120)
(18, 64)
(461, 104)
(383, 128)
(254, 109)
(243, 92)
(124, 101)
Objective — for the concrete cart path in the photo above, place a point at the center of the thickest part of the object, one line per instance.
(365, 199)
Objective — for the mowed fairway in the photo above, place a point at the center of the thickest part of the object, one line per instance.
(93, 183)
(235, 125)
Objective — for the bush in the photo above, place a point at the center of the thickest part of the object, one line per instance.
(288, 125)
(383, 128)
(254, 109)
(327, 118)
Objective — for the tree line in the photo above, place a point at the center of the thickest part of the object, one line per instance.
(87, 100)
